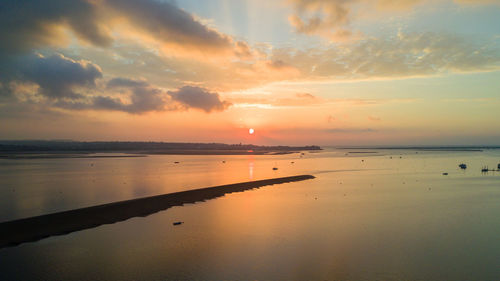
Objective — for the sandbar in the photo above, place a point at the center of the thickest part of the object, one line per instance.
(35, 228)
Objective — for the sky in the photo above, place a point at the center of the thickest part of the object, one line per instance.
(299, 72)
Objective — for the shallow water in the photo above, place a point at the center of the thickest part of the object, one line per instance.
(365, 217)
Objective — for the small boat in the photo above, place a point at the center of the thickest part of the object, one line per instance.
(462, 166)
(498, 166)
(445, 174)
(274, 168)
(178, 223)
(485, 169)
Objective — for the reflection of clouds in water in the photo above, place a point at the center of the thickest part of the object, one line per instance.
(250, 170)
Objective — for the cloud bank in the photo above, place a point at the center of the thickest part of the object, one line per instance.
(75, 81)
(138, 97)
(402, 56)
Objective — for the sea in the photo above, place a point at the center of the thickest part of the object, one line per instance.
(370, 214)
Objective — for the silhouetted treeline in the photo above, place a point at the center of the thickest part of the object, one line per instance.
(118, 146)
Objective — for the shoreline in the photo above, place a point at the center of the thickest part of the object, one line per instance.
(13, 233)
(131, 154)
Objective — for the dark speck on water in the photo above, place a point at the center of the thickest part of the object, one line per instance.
(178, 223)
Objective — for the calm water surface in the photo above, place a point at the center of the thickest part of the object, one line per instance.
(365, 217)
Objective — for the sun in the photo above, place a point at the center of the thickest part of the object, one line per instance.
(251, 131)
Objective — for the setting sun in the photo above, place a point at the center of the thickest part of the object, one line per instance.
(251, 131)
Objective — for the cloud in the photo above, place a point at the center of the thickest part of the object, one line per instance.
(327, 18)
(332, 18)
(61, 82)
(57, 76)
(51, 77)
(120, 82)
(31, 24)
(79, 84)
(142, 97)
(138, 101)
(195, 97)
(166, 22)
(404, 55)
(138, 97)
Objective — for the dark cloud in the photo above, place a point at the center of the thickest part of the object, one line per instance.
(28, 24)
(199, 98)
(167, 22)
(71, 84)
(147, 99)
(126, 83)
(58, 76)
(141, 100)
(5, 92)
(139, 97)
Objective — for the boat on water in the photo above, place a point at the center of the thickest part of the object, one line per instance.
(462, 166)
(485, 169)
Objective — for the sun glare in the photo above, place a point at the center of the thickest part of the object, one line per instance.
(251, 131)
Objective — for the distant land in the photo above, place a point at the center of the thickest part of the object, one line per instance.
(56, 148)
(427, 148)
